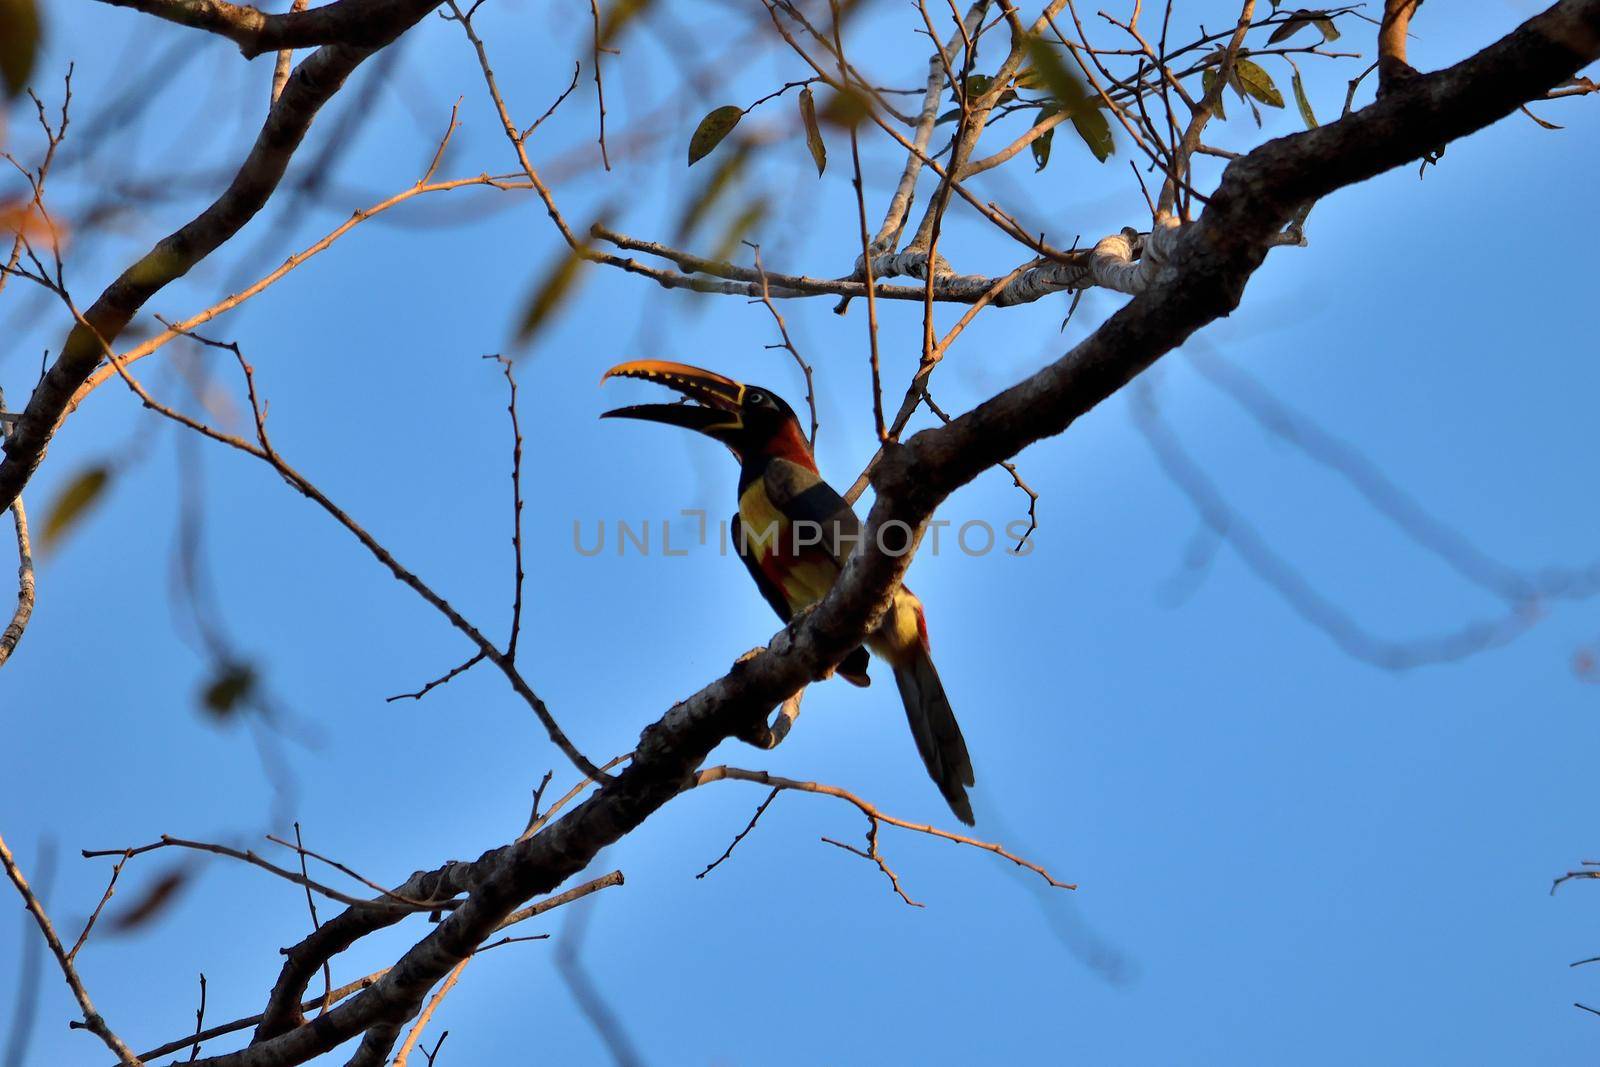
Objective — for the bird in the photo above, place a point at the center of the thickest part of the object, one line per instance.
(780, 487)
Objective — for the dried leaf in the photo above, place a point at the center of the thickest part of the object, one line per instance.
(1299, 19)
(1256, 82)
(1290, 26)
(154, 900)
(712, 129)
(232, 685)
(74, 502)
(1542, 122)
(1070, 94)
(18, 217)
(808, 116)
(19, 43)
(1304, 103)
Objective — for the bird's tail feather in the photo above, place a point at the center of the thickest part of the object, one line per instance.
(934, 726)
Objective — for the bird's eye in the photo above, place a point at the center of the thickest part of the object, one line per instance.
(755, 396)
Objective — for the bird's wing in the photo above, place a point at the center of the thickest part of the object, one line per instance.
(802, 496)
(769, 591)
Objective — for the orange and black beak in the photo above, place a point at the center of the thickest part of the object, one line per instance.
(715, 403)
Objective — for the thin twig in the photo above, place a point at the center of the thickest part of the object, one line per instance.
(740, 836)
(605, 881)
(92, 1020)
(284, 60)
(200, 1018)
(105, 898)
(316, 923)
(27, 589)
(783, 331)
(872, 812)
(599, 91)
(167, 841)
(449, 983)
(428, 687)
(516, 508)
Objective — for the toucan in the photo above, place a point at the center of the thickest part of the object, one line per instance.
(794, 533)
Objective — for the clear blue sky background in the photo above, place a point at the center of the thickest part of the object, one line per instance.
(1283, 852)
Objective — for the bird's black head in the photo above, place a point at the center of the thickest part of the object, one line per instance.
(749, 419)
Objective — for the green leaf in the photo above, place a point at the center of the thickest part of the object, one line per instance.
(949, 116)
(808, 116)
(1041, 149)
(1325, 25)
(74, 502)
(19, 43)
(232, 685)
(1208, 78)
(712, 129)
(1256, 82)
(1052, 71)
(977, 84)
(1095, 130)
(1041, 143)
(1304, 103)
(1090, 122)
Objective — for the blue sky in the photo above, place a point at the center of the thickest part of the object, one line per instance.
(1282, 851)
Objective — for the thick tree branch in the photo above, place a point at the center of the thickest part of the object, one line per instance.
(1203, 280)
(368, 24)
(1392, 65)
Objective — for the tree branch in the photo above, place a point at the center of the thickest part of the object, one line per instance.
(1204, 279)
(311, 86)
(368, 24)
(91, 1018)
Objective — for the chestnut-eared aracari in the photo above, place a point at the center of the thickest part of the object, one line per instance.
(794, 534)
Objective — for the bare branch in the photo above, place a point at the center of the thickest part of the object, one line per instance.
(368, 24)
(313, 83)
(27, 590)
(742, 834)
(874, 815)
(91, 1018)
